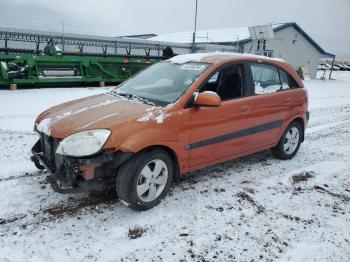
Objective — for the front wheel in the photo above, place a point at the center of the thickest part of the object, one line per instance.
(145, 179)
(290, 142)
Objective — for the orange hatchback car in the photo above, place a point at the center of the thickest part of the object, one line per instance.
(174, 117)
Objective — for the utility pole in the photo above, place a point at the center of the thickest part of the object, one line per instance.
(195, 29)
(62, 24)
(330, 73)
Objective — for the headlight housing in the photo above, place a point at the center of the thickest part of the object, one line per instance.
(83, 143)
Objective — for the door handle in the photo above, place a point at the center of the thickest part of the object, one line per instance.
(245, 109)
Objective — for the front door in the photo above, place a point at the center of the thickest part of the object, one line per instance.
(222, 132)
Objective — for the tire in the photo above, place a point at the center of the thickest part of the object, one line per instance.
(289, 143)
(144, 180)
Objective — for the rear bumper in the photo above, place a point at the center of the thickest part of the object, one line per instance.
(96, 173)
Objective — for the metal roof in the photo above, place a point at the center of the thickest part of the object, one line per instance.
(227, 36)
(301, 31)
(308, 37)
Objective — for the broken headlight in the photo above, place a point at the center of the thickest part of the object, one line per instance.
(83, 143)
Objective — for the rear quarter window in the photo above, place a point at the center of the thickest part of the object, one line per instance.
(287, 82)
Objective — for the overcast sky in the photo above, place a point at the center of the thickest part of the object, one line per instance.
(324, 20)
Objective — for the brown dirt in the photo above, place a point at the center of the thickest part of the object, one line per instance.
(135, 233)
(73, 207)
(248, 198)
(305, 176)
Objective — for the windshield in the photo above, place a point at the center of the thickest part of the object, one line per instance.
(162, 83)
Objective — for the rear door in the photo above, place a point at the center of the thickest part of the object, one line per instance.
(222, 132)
(272, 104)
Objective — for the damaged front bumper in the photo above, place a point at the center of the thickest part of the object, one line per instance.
(71, 174)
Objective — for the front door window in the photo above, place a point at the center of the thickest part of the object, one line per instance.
(227, 83)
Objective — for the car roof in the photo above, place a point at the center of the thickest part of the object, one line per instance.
(218, 57)
(226, 57)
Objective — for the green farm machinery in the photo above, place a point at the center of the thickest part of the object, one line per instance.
(111, 61)
(37, 58)
(27, 69)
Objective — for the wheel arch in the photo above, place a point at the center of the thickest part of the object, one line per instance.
(301, 122)
(162, 138)
(171, 153)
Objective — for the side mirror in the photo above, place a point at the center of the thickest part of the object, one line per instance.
(207, 99)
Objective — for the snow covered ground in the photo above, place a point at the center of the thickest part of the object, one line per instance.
(249, 209)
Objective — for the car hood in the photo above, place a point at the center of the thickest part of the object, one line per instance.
(99, 111)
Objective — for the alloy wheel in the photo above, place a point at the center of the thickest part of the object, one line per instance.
(291, 140)
(152, 180)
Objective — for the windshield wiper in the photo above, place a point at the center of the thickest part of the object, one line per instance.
(132, 96)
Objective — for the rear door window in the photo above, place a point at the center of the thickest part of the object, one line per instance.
(266, 78)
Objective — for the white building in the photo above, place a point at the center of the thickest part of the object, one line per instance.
(290, 43)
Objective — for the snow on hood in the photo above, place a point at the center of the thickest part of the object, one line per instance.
(156, 113)
(101, 111)
(45, 126)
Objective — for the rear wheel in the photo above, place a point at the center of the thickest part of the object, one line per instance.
(145, 179)
(290, 142)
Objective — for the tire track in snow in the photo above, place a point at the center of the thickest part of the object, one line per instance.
(320, 128)
(323, 115)
(26, 175)
(63, 209)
